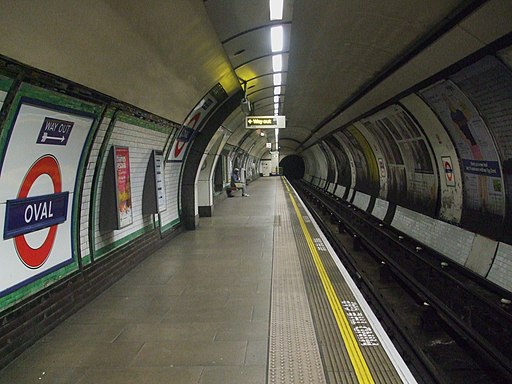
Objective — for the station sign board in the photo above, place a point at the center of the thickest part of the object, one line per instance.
(39, 171)
(257, 122)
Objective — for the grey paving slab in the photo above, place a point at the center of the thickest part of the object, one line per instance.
(191, 353)
(84, 333)
(64, 354)
(143, 375)
(257, 353)
(243, 331)
(233, 375)
(17, 374)
(168, 332)
(195, 311)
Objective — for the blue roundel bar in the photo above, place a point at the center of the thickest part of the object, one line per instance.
(33, 213)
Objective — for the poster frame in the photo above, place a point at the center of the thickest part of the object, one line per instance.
(122, 222)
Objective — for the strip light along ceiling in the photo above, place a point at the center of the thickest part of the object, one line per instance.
(277, 44)
(277, 63)
(276, 38)
(276, 9)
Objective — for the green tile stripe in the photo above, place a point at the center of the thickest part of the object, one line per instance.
(109, 113)
(86, 259)
(170, 225)
(118, 243)
(35, 286)
(5, 83)
(145, 124)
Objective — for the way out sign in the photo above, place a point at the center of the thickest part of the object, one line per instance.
(257, 122)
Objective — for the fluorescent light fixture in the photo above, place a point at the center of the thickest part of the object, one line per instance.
(276, 99)
(277, 90)
(276, 38)
(277, 79)
(276, 9)
(276, 132)
(277, 63)
(276, 106)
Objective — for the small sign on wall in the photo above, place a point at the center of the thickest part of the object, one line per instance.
(160, 182)
(153, 195)
(448, 170)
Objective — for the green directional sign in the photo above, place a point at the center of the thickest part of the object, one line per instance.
(256, 122)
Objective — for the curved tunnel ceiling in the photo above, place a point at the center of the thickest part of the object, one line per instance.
(341, 59)
(346, 58)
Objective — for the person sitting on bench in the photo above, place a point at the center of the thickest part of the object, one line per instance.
(236, 184)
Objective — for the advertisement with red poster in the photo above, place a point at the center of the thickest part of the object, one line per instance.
(124, 194)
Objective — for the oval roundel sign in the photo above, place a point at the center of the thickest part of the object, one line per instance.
(187, 132)
(34, 213)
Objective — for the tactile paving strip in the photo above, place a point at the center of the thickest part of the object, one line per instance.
(339, 367)
(294, 356)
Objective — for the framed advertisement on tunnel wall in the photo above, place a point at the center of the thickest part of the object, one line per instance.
(116, 194)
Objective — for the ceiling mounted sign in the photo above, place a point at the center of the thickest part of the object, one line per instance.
(257, 122)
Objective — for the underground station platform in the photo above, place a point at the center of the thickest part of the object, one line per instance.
(254, 295)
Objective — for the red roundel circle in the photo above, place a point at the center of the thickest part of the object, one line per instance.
(35, 257)
(191, 124)
(448, 170)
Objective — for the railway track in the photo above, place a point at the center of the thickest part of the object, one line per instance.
(448, 323)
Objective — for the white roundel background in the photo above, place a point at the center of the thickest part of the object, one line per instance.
(27, 143)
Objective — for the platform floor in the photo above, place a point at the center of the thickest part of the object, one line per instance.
(216, 305)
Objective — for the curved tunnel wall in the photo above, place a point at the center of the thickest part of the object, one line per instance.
(90, 187)
(103, 154)
(436, 165)
(367, 160)
(79, 136)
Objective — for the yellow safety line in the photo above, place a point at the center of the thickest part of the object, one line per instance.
(354, 351)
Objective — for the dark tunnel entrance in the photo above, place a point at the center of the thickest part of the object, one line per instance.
(293, 167)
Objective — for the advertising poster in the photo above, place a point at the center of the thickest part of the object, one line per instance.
(366, 167)
(483, 184)
(407, 149)
(488, 84)
(38, 177)
(124, 193)
(331, 168)
(422, 178)
(342, 162)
